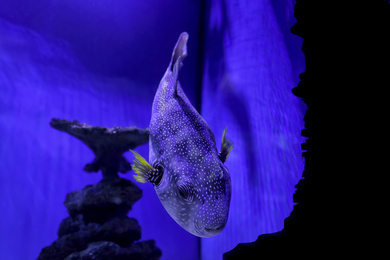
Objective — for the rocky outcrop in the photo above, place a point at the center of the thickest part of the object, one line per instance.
(108, 144)
(98, 226)
(104, 200)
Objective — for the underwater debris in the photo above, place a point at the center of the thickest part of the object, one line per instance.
(98, 226)
(108, 144)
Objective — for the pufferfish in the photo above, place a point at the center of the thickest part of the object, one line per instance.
(186, 170)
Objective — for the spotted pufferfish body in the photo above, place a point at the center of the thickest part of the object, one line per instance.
(187, 172)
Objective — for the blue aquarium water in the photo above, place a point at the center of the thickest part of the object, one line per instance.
(100, 62)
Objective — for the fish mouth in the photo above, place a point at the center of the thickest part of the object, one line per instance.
(214, 230)
(208, 231)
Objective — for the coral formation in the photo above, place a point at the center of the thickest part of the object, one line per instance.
(98, 226)
(108, 144)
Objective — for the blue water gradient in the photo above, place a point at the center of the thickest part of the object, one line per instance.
(42, 78)
(247, 80)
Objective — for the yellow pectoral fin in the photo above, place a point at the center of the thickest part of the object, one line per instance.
(141, 167)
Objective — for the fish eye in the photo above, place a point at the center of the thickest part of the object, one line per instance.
(184, 192)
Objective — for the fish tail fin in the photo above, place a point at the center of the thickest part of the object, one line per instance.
(179, 52)
(226, 147)
(141, 167)
(178, 55)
